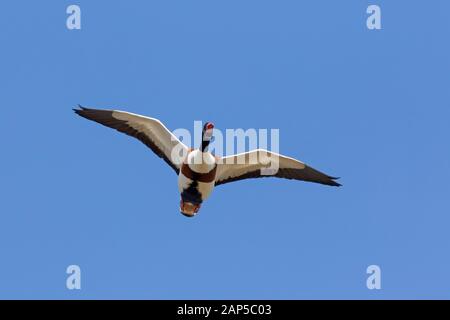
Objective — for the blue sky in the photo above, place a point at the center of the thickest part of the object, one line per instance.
(368, 106)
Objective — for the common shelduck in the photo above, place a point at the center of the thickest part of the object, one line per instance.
(198, 170)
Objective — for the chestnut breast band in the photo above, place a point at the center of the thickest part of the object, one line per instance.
(196, 176)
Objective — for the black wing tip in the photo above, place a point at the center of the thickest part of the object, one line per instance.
(80, 109)
(91, 114)
(83, 110)
(337, 183)
(334, 183)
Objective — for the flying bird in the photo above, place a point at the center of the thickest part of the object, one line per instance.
(198, 170)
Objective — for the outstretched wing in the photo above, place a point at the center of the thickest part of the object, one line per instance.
(262, 163)
(150, 131)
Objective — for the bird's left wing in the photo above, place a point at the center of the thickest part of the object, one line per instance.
(150, 131)
(262, 163)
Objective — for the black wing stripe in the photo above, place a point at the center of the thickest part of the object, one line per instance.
(105, 117)
(306, 174)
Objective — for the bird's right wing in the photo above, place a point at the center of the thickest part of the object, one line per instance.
(150, 131)
(262, 163)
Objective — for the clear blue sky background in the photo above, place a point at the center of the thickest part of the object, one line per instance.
(369, 106)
